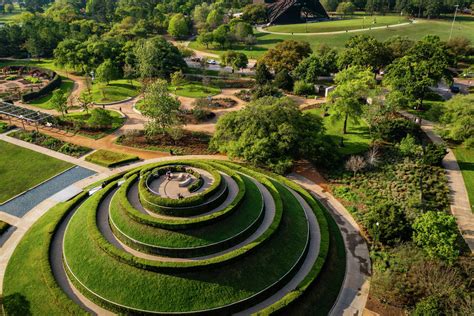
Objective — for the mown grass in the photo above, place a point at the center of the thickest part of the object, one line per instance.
(465, 158)
(28, 280)
(246, 213)
(45, 102)
(117, 90)
(108, 158)
(82, 117)
(356, 140)
(178, 292)
(194, 90)
(22, 169)
(349, 23)
(464, 27)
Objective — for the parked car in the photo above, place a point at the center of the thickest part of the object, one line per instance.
(454, 89)
(212, 62)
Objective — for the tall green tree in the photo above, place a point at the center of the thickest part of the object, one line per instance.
(59, 101)
(106, 72)
(236, 60)
(286, 55)
(364, 51)
(178, 26)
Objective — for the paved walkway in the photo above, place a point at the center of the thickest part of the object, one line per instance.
(460, 206)
(263, 30)
(353, 295)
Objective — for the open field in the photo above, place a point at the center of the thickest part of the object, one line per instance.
(194, 90)
(464, 26)
(117, 90)
(21, 169)
(349, 23)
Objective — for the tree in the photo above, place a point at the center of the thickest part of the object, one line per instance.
(85, 100)
(100, 119)
(106, 72)
(348, 98)
(387, 223)
(309, 69)
(458, 47)
(214, 18)
(178, 26)
(157, 58)
(271, 132)
(221, 35)
(286, 55)
(160, 108)
(283, 80)
(177, 79)
(255, 13)
(241, 30)
(129, 73)
(345, 8)
(8, 8)
(262, 74)
(437, 233)
(59, 101)
(205, 38)
(236, 60)
(458, 118)
(201, 11)
(398, 46)
(364, 51)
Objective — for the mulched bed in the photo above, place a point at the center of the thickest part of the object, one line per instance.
(191, 143)
(222, 103)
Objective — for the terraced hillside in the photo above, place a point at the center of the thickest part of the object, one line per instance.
(188, 236)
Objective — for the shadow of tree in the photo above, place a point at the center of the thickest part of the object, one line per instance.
(16, 304)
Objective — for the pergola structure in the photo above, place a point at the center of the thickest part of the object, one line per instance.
(25, 115)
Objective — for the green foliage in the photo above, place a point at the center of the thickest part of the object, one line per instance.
(303, 88)
(409, 147)
(100, 118)
(235, 60)
(269, 132)
(110, 159)
(178, 26)
(255, 13)
(106, 72)
(363, 51)
(262, 74)
(267, 90)
(309, 69)
(283, 80)
(437, 234)
(428, 306)
(395, 129)
(345, 8)
(458, 118)
(59, 101)
(434, 154)
(387, 224)
(286, 55)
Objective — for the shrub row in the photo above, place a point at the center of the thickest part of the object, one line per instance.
(122, 201)
(170, 266)
(50, 87)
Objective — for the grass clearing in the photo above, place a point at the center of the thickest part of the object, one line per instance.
(350, 23)
(464, 27)
(82, 117)
(18, 165)
(44, 102)
(177, 292)
(246, 213)
(465, 158)
(116, 90)
(356, 140)
(194, 90)
(110, 159)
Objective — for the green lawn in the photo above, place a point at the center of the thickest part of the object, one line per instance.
(117, 122)
(107, 158)
(44, 102)
(10, 17)
(43, 63)
(349, 23)
(465, 158)
(246, 213)
(356, 140)
(464, 26)
(177, 291)
(432, 111)
(17, 165)
(117, 90)
(194, 90)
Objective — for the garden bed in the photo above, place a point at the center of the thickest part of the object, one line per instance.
(50, 143)
(79, 122)
(110, 159)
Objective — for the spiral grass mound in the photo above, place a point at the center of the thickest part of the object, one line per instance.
(239, 241)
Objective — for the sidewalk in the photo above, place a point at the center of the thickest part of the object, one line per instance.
(460, 206)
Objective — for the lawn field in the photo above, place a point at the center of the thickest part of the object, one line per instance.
(117, 90)
(107, 158)
(194, 90)
(464, 27)
(22, 169)
(357, 138)
(350, 23)
(44, 102)
(465, 158)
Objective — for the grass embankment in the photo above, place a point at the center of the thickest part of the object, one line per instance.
(464, 27)
(110, 159)
(465, 158)
(177, 292)
(22, 169)
(29, 287)
(246, 213)
(116, 90)
(349, 23)
(45, 102)
(194, 90)
(356, 140)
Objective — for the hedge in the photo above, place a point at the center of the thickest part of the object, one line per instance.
(181, 252)
(122, 201)
(50, 87)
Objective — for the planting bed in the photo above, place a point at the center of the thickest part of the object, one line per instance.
(252, 237)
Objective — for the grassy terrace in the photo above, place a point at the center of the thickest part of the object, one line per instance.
(464, 27)
(117, 90)
(17, 165)
(177, 292)
(109, 159)
(357, 138)
(44, 102)
(245, 214)
(465, 158)
(350, 23)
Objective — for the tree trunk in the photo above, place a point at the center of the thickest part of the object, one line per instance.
(344, 130)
